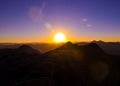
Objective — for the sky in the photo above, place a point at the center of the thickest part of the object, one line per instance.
(79, 20)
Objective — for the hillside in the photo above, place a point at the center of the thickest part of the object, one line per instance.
(67, 65)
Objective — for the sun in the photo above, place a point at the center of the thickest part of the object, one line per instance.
(60, 37)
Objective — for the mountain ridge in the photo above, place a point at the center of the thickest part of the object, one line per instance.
(67, 65)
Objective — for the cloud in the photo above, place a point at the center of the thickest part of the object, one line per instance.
(36, 13)
(43, 5)
(84, 20)
(85, 23)
(88, 25)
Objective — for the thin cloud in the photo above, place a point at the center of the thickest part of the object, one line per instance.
(85, 23)
(36, 13)
(84, 20)
(88, 25)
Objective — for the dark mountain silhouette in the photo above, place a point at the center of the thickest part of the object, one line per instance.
(67, 65)
(91, 51)
(25, 49)
(68, 45)
(94, 47)
(80, 62)
(65, 60)
(16, 63)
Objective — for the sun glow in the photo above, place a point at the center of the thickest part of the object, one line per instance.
(60, 37)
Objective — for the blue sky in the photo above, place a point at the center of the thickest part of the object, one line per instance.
(39, 20)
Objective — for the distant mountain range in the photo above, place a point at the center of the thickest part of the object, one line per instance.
(67, 65)
(108, 47)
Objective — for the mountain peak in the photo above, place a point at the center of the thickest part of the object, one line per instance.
(93, 48)
(67, 45)
(22, 47)
(69, 42)
(93, 45)
(27, 50)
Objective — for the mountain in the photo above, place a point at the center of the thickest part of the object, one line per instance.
(74, 51)
(25, 49)
(68, 65)
(94, 47)
(82, 65)
(93, 51)
(17, 63)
